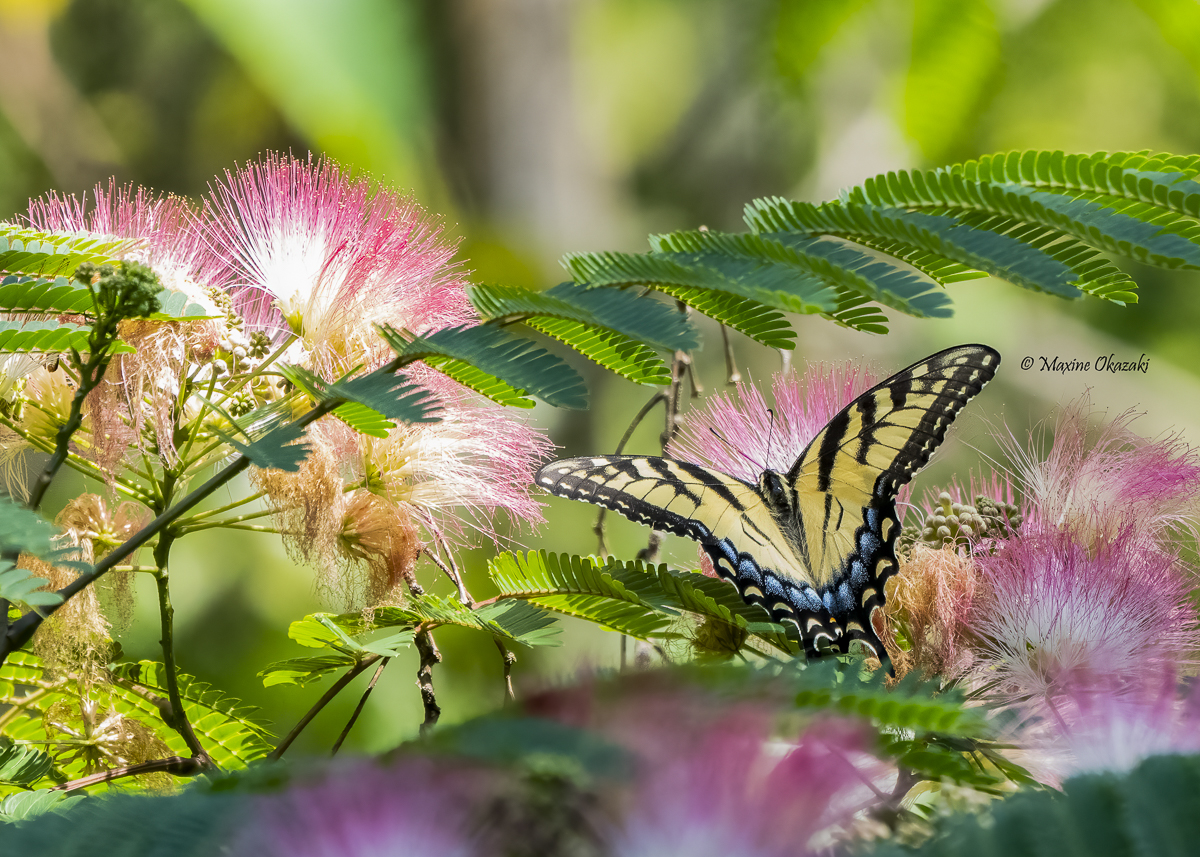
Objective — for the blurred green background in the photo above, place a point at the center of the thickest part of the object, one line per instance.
(539, 127)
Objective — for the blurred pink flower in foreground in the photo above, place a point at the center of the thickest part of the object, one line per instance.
(363, 810)
(753, 439)
(310, 249)
(1097, 723)
(737, 792)
(1055, 608)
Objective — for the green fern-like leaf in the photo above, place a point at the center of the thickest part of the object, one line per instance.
(839, 265)
(23, 765)
(48, 337)
(756, 320)
(229, 731)
(913, 704)
(638, 316)
(614, 351)
(53, 254)
(716, 600)
(613, 596)
(518, 621)
(372, 400)
(282, 447)
(504, 367)
(63, 296)
(1028, 255)
(302, 671)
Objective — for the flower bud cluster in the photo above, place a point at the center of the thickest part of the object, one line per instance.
(961, 525)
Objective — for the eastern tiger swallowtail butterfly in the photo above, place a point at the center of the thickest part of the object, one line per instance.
(814, 546)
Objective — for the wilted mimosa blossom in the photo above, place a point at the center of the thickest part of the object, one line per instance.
(1056, 608)
(754, 440)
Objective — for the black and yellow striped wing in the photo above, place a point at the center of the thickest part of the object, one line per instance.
(816, 546)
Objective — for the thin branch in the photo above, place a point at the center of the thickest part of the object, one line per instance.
(598, 527)
(334, 689)
(337, 745)
(89, 378)
(732, 375)
(429, 657)
(228, 507)
(509, 659)
(450, 569)
(179, 766)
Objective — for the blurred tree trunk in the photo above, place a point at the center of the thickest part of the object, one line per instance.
(51, 118)
(514, 152)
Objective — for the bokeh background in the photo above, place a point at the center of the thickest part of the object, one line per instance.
(541, 127)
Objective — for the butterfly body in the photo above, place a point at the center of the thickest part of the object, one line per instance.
(816, 545)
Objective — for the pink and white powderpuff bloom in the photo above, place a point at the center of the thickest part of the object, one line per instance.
(757, 437)
(461, 472)
(1096, 723)
(1055, 608)
(362, 810)
(162, 232)
(310, 249)
(1097, 482)
(735, 791)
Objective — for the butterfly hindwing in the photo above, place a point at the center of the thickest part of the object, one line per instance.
(815, 546)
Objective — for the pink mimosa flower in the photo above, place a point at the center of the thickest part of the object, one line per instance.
(1056, 607)
(1097, 482)
(312, 250)
(757, 437)
(737, 792)
(1098, 723)
(363, 810)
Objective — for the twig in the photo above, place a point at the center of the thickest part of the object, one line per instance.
(429, 657)
(509, 660)
(598, 527)
(179, 766)
(451, 571)
(337, 745)
(732, 375)
(334, 689)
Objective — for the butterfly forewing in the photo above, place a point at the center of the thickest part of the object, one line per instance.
(876, 445)
(821, 562)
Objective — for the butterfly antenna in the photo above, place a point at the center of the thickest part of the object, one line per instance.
(721, 438)
(770, 436)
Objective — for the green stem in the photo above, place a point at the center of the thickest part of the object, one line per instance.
(208, 513)
(336, 688)
(177, 719)
(89, 378)
(82, 465)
